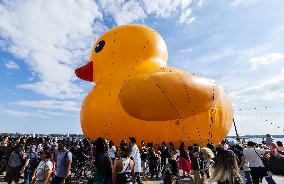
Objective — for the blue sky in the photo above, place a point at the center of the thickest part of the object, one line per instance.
(238, 43)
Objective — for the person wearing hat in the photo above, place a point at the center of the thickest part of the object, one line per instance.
(43, 170)
(135, 154)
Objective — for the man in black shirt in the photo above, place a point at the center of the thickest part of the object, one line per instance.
(195, 162)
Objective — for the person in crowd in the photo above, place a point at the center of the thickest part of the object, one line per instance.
(194, 153)
(173, 163)
(54, 153)
(249, 159)
(16, 163)
(135, 154)
(170, 148)
(153, 163)
(224, 144)
(164, 155)
(63, 164)
(4, 141)
(111, 151)
(268, 140)
(280, 147)
(123, 143)
(276, 162)
(86, 148)
(31, 163)
(4, 154)
(103, 165)
(253, 155)
(46, 143)
(184, 160)
(40, 141)
(241, 160)
(77, 153)
(44, 168)
(207, 155)
(225, 169)
(123, 169)
(144, 157)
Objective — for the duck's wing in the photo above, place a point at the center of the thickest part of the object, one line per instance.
(167, 96)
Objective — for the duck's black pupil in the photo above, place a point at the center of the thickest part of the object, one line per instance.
(100, 46)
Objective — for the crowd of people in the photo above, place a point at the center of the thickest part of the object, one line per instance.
(42, 160)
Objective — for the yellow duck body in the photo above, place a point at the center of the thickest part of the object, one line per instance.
(137, 94)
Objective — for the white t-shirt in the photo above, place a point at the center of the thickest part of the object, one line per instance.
(135, 153)
(41, 168)
(253, 158)
(111, 152)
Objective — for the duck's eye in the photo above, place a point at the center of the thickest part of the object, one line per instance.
(100, 46)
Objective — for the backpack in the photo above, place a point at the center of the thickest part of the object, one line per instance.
(21, 158)
(34, 161)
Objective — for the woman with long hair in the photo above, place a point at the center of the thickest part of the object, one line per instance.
(103, 170)
(207, 156)
(225, 170)
(123, 169)
(184, 161)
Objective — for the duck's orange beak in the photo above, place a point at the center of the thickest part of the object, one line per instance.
(85, 72)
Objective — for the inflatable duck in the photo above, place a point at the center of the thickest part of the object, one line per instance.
(137, 94)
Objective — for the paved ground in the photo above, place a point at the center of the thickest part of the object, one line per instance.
(278, 180)
(146, 181)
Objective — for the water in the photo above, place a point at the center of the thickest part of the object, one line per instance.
(258, 140)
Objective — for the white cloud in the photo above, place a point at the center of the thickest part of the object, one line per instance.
(242, 2)
(185, 51)
(217, 56)
(125, 12)
(266, 59)
(58, 114)
(200, 3)
(52, 37)
(51, 104)
(186, 17)
(122, 11)
(13, 113)
(12, 65)
(37, 114)
(167, 8)
(269, 90)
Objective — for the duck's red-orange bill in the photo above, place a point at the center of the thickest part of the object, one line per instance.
(85, 72)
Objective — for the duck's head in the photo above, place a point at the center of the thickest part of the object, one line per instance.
(122, 49)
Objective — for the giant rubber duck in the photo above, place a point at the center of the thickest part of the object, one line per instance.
(137, 94)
